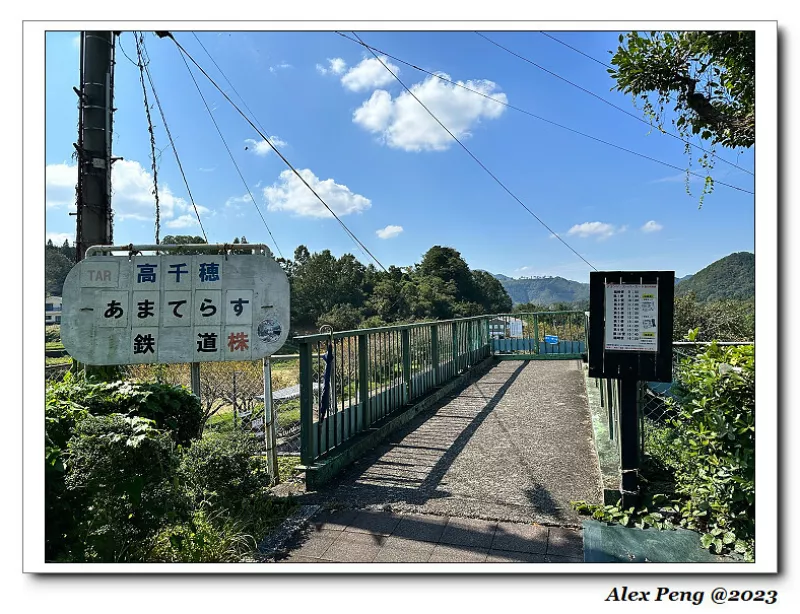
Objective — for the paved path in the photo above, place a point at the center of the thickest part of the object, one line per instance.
(513, 447)
(379, 537)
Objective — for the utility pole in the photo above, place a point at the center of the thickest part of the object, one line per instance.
(96, 102)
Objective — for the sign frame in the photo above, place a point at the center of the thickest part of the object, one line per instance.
(638, 364)
(244, 293)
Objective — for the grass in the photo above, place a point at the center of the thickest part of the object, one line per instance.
(289, 413)
(54, 345)
(285, 373)
(59, 360)
(287, 467)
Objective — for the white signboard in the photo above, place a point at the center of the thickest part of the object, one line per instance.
(632, 317)
(174, 309)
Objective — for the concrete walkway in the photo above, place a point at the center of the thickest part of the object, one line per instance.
(513, 447)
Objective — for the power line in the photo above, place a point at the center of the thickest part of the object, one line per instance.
(225, 143)
(609, 103)
(152, 137)
(171, 141)
(474, 157)
(539, 117)
(228, 81)
(355, 239)
(577, 50)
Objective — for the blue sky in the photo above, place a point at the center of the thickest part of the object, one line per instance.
(398, 181)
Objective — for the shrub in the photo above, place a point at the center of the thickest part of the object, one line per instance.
(204, 539)
(223, 469)
(121, 470)
(52, 334)
(171, 407)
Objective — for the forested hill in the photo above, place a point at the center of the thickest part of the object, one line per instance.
(544, 290)
(733, 277)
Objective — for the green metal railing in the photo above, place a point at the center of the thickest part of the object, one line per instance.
(376, 372)
(534, 333)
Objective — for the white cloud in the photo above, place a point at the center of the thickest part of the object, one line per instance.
(131, 192)
(336, 66)
(402, 123)
(601, 230)
(369, 74)
(58, 238)
(60, 180)
(281, 66)
(184, 221)
(207, 170)
(651, 226)
(291, 194)
(76, 41)
(389, 232)
(234, 201)
(262, 148)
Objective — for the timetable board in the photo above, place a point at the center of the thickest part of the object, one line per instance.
(631, 317)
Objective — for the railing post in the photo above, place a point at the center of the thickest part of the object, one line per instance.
(306, 405)
(535, 334)
(487, 350)
(454, 327)
(363, 379)
(405, 337)
(469, 342)
(435, 353)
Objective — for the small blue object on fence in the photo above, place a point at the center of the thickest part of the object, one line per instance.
(553, 339)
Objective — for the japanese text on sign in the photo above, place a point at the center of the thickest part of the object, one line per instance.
(166, 309)
(631, 317)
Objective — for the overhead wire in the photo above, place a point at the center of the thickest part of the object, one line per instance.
(576, 50)
(152, 138)
(230, 153)
(169, 136)
(355, 239)
(539, 117)
(611, 104)
(474, 157)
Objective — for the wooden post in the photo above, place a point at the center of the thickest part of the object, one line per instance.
(363, 380)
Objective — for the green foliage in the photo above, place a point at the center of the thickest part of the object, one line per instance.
(341, 317)
(545, 292)
(171, 407)
(708, 449)
(731, 277)
(52, 334)
(223, 469)
(728, 319)
(205, 538)
(56, 268)
(707, 77)
(120, 470)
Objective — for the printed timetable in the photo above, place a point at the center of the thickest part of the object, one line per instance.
(631, 312)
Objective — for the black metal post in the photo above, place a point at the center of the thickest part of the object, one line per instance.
(629, 443)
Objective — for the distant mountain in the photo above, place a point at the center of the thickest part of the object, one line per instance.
(544, 290)
(733, 276)
(684, 278)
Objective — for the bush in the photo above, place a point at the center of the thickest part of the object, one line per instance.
(204, 539)
(171, 407)
(223, 469)
(52, 333)
(121, 471)
(712, 446)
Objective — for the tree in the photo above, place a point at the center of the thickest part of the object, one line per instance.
(708, 76)
(56, 268)
(491, 294)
